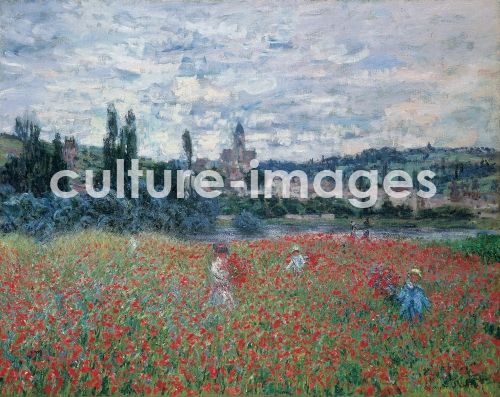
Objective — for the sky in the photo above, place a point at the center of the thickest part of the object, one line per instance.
(305, 79)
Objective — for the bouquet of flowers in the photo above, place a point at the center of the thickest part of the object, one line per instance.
(383, 279)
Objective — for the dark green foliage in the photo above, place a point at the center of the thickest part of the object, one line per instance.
(37, 160)
(32, 170)
(475, 185)
(44, 216)
(405, 211)
(6, 190)
(57, 162)
(22, 128)
(127, 149)
(294, 206)
(13, 174)
(121, 145)
(388, 209)
(474, 163)
(278, 209)
(446, 212)
(274, 207)
(494, 186)
(110, 146)
(363, 183)
(317, 205)
(320, 205)
(41, 214)
(247, 223)
(187, 145)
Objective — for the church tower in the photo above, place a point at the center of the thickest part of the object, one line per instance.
(239, 143)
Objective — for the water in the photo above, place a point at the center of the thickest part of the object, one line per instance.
(229, 233)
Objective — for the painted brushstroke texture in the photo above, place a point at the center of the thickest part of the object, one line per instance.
(303, 78)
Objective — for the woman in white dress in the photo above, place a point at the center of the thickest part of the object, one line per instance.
(221, 289)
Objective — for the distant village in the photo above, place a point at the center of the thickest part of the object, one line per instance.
(234, 163)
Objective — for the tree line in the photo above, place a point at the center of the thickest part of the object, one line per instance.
(38, 161)
(32, 170)
(37, 212)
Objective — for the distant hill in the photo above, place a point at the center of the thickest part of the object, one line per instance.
(468, 165)
(475, 168)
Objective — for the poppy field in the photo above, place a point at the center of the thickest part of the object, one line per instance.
(93, 314)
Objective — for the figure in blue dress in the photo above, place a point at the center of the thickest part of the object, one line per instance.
(412, 298)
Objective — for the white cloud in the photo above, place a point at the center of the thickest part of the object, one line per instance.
(340, 55)
(190, 89)
(306, 80)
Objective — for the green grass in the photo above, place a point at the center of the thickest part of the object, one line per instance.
(486, 246)
(485, 390)
(9, 145)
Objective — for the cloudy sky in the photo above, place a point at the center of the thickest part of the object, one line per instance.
(304, 78)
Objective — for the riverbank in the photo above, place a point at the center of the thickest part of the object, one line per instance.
(226, 232)
(376, 221)
(486, 223)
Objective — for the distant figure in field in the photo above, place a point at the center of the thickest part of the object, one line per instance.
(132, 246)
(297, 261)
(354, 228)
(366, 226)
(221, 290)
(412, 297)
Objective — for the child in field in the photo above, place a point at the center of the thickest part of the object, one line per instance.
(221, 290)
(366, 231)
(354, 228)
(412, 297)
(132, 246)
(297, 261)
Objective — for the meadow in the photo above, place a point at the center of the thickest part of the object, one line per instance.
(102, 314)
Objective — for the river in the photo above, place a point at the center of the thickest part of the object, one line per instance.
(228, 233)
